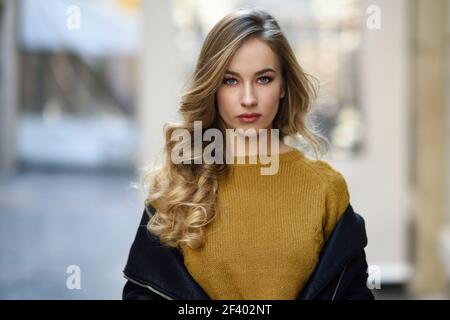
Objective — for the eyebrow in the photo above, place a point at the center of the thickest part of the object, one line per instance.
(256, 73)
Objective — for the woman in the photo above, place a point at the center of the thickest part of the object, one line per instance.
(224, 230)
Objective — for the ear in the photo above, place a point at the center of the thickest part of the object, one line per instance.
(282, 92)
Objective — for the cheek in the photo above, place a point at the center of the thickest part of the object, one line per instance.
(270, 99)
(225, 102)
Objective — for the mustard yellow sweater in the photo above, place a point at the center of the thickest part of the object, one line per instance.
(266, 238)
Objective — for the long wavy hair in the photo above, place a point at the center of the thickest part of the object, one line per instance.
(184, 195)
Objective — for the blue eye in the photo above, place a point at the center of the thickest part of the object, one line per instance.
(226, 81)
(232, 81)
(268, 79)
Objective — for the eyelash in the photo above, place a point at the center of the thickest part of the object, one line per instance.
(267, 77)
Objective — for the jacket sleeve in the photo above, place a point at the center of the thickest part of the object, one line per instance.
(357, 288)
(133, 291)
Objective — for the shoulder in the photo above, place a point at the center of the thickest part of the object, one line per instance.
(331, 178)
(335, 191)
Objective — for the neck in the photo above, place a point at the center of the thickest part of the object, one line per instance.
(266, 143)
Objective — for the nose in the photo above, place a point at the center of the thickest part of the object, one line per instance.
(248, 97)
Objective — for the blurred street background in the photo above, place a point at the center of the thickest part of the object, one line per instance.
(86, 87)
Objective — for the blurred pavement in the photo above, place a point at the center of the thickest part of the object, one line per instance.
(49, 221)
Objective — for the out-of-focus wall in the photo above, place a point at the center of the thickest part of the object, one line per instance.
(378, 180)
(8, 84)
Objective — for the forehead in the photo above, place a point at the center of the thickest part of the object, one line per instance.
(253, 55)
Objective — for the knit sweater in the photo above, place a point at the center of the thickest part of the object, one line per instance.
(266, 238)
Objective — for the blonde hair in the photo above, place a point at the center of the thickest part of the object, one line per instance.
(186, 193)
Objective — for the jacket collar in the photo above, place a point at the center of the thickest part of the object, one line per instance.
(162, 270)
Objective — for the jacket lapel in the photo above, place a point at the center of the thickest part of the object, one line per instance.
(161, 268)
(346, 240)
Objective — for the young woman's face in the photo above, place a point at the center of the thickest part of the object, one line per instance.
(253, 84)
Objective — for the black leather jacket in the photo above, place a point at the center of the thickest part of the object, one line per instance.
(155, 271)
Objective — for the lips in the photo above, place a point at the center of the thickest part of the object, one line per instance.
(249, 117)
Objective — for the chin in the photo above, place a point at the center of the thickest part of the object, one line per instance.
(250, 128)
